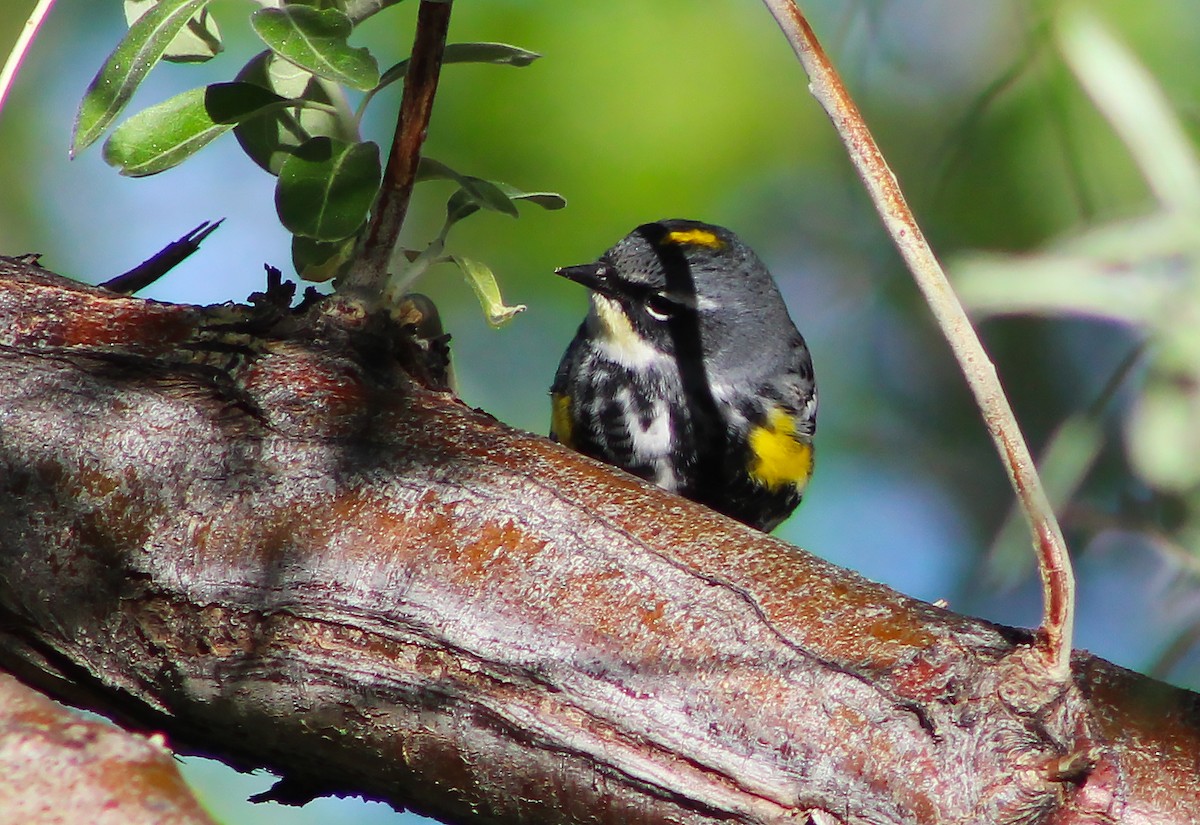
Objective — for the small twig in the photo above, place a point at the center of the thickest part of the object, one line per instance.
(1058, 581)
(368, 273)
(21, 47)
(161, 262)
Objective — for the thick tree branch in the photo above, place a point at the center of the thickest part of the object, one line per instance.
(253, 531)
(58, 767)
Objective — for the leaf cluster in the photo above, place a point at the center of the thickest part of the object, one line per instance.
(287, 107)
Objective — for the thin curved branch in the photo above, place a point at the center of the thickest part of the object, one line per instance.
(24, 40)
(1058, 579)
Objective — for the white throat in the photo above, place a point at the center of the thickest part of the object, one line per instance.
(616, 338)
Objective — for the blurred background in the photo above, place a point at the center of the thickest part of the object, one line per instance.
(1047, 149)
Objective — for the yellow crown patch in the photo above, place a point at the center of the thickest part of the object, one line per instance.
(694, 237)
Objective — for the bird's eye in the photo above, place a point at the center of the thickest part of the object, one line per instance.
(660, 307)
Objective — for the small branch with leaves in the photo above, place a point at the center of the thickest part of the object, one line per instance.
(288, 109)
(378, 244)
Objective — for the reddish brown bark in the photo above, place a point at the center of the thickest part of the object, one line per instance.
(56, 767)
(256, 533)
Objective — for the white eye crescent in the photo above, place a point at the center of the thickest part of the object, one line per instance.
(660, 307)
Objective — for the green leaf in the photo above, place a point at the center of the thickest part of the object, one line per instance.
(271, 137)
(499, 54)
(480, 191)
(463, 204)
(327, 187)
(200, 39)
(320, 260)
(316, 40)
(358, 10)
(124, 70)
(483, 281)
(165, 135)
(547, 200)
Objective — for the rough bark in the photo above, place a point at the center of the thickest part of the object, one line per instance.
(254, 531)
(57, 767)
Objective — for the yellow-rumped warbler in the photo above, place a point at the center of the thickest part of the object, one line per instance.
(689, 372)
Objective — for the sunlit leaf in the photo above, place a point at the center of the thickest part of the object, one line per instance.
(269, 138)
(547, 200)
(200, 39)
(327, 187)
(483, 281)
(315, 39)
(124, 70)
(162, 136)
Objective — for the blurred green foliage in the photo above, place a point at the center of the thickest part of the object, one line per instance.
(640, 111)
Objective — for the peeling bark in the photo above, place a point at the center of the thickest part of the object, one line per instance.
(254, 531)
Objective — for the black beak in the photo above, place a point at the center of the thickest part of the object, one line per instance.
(597, 276)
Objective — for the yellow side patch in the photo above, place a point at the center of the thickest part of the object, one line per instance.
(779, 457)
(695, 237)
(560, 419)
